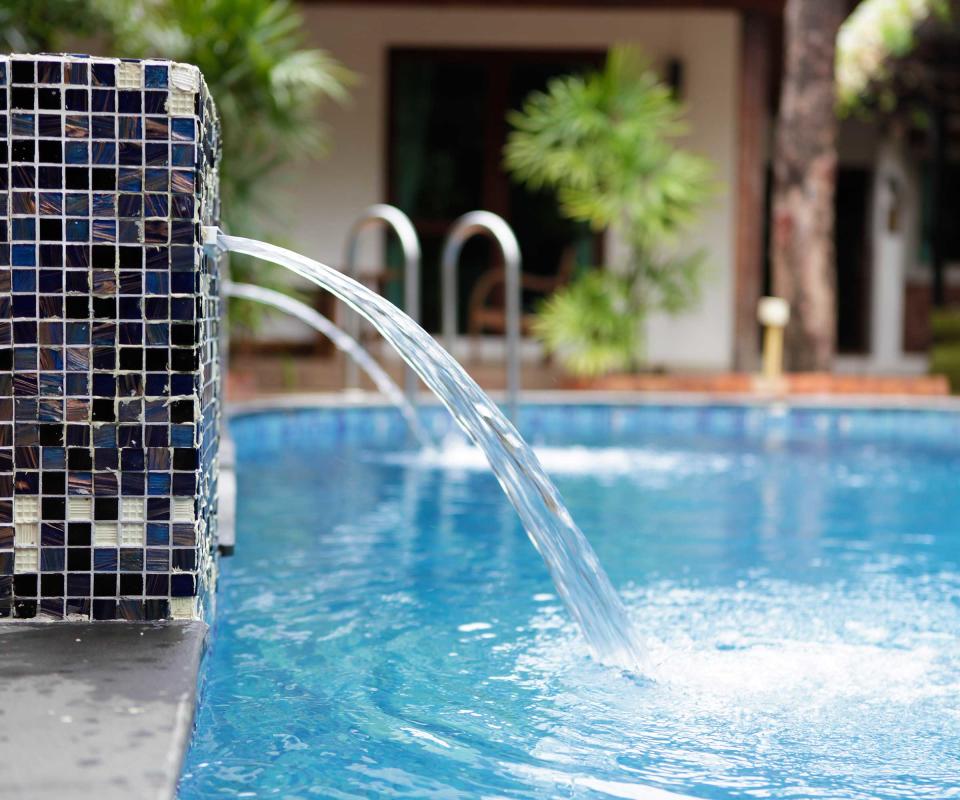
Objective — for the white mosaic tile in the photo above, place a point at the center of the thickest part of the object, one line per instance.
(26, 508)
(26, 534)
(182, 509)
(179, 103)
(79, 509)
(105, 534)
(183, 607)
(129, 75)
(133, 509)
(185, 77)
(26, 560)
(131, 534)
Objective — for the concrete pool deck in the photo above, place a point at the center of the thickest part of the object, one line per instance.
(97, 711)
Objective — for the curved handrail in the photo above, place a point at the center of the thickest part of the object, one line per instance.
(391, 216)
(463, 229)
(341, 340)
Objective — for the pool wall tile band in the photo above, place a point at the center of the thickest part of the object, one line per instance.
(265, 433)
(109, 330)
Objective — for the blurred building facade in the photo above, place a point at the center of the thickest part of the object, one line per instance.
(425, 125)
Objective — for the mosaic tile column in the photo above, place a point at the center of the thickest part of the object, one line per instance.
(109, 327)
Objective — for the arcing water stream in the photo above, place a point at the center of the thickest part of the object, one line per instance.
(573, 565)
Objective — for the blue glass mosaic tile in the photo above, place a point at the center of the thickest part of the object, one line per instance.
(109, 328)
(271, 433)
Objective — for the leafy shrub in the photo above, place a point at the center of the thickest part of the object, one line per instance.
(945, 352)
(605, 143)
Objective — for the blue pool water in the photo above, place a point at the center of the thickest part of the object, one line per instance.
(386, 629)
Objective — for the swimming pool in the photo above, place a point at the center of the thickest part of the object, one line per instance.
(386, 628)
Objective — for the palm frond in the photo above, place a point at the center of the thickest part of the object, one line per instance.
(606, 144)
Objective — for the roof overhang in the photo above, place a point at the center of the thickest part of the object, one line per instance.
(771, 7)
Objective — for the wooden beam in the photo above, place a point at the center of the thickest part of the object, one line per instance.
(754, 88)
(771, 7)
(938, 144)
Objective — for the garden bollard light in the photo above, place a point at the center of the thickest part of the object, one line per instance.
(774, 314)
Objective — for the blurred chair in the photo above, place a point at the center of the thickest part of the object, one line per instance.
(486, 311)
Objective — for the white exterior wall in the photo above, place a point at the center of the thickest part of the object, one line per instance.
(325, 197)
(894, 193)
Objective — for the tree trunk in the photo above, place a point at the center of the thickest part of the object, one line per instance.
(805, 162)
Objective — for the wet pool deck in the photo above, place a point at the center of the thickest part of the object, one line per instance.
(253, 376)
(97, 711)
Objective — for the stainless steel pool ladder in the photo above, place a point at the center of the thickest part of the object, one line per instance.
(382, 214)
(463, 229)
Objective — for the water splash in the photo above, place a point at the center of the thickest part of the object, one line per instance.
(345, 343)
(580, 580)
(640, 465)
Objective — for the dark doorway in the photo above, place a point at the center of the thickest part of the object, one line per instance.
(851, 235)
(447, 127)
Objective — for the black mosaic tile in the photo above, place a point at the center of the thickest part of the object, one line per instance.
(109, 326)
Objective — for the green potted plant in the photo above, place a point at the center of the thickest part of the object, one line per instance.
(945, 349)
(605, 143)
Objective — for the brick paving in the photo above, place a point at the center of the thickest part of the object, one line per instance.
(253, 376)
